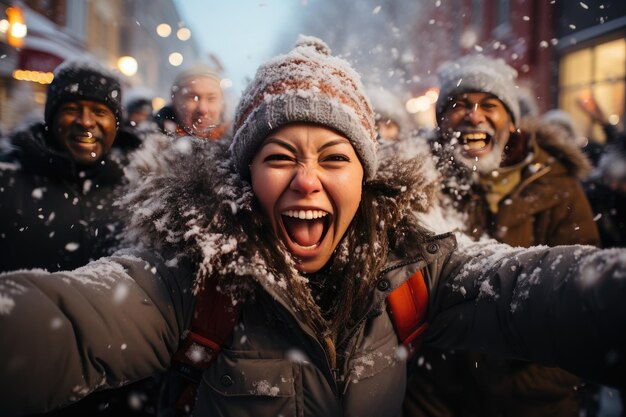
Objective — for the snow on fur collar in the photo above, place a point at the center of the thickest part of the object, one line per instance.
(558, 144)
(184, 198)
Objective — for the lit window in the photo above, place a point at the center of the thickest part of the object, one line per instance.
(598, 70)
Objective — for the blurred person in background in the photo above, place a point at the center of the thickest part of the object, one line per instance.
(388, 128)
(138, 111)
(607, 186)
(587, 103)
(393, 125)
(137, 121)
(607, 193)
(197, 105)
(389, 115)
(519, 186)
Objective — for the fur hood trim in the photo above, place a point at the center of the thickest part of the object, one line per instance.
(558, 144)
(185, 199)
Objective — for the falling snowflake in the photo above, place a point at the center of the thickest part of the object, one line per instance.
(264, 387)
(72, 246)
(6, 304)
(37, 193)
(120, 293)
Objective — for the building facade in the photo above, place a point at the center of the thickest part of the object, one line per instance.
(591, 61)
(105, 31)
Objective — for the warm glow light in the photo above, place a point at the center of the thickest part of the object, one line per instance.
(432, 94)
(183, 34)
(164, 30)
(33, 76)
(127, 65)
(17, 27)
(40, 97)
(226, 83)
(18, 30)
(614, 119)
(4, 26)
(418, 104)
(175, 59)
(158, 102)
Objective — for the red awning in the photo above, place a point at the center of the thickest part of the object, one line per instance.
(36, 60)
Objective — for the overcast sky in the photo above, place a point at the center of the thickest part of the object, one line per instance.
(241, 33)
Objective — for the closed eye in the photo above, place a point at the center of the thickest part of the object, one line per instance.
(337, 158)
(277, 157)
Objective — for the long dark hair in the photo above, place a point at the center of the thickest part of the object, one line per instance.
(385, 222)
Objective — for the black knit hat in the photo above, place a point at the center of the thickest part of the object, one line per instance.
(83, 80)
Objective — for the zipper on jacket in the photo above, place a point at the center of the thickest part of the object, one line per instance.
(330, 371)
(366, 315)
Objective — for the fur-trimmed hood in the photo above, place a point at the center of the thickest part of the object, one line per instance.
(185, 199)
(558, 144)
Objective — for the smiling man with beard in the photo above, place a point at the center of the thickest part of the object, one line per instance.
(516, 182)
(57, 179)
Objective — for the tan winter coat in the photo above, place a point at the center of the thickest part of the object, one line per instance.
(548, 206)
(121, 318)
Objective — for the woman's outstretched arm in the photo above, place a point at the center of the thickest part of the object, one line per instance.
(563, 306)
(67, 334)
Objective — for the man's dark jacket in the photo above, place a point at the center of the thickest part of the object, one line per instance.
(55, 215)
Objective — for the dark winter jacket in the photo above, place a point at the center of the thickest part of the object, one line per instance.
(55, 215)
(547, 207)
(121, 318)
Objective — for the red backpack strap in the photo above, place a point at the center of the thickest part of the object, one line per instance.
(407, 306)
(212, 325)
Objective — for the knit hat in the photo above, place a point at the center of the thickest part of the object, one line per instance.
(305, 85)
(80, 79)
(196, 70)
(478, 73)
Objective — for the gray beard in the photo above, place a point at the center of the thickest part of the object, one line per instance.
(487, 163)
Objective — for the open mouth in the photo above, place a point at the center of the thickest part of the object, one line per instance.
(475, 141)
(84, 137)
(306, 229)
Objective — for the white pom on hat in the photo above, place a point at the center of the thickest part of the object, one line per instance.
(307, 84)
(316, 43)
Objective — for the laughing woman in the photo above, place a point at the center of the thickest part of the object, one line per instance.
(284, 249)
